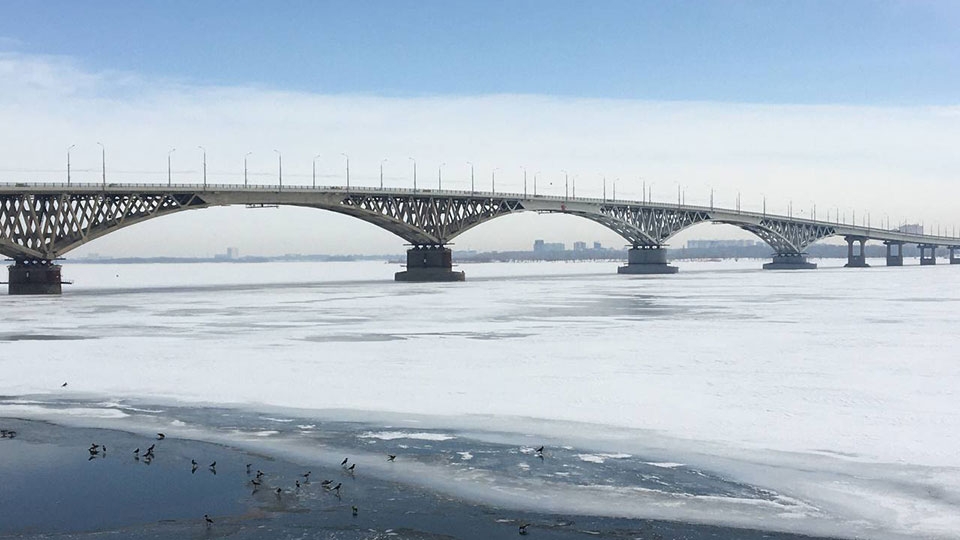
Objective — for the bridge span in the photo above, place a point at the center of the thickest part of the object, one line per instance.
(40, 223)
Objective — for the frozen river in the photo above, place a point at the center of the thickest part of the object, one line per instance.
(823, 402)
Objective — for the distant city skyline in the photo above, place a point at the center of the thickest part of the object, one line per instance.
(847, 107)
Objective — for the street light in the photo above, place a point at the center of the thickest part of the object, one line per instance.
(204, 166)
(348, 169)
(245, 168)
(68, 163)
(472, 190)
(382, 161)
(524, 182)
(604, 189)
(566, 184)
(493, 180)
(414, 173)
(169, 174)
(103, 160)
(279, 170)
(535, 183)
(440, 175)
(314, 173)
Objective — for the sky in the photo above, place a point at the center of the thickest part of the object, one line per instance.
(844, 105)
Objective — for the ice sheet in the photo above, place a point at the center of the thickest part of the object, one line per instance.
(836, 387)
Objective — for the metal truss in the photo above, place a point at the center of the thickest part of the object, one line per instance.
(788, 237)
(645, 226)
(43, 223)
(45, 226)
(425, 219)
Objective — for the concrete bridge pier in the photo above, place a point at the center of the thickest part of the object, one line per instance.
(789, 261)
(954, 255)
(647, 260)
(34, 276)
(928, 254)
(429, 263)
(894, 253)
(856, 256)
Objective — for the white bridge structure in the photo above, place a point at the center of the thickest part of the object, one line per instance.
(40, 223)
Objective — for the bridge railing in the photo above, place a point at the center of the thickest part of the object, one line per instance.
(845, 228)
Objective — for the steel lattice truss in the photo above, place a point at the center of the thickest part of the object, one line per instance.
(643, 226)
(788, 236)
(44, 226)
(426, 219)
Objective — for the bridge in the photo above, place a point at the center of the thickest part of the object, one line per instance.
(40, 223)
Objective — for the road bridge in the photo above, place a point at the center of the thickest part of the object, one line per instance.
(40, 223)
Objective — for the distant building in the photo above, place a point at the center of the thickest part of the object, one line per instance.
(539, 246)
(579, 246)
(912, 228)
(597, 246)
(231, 254)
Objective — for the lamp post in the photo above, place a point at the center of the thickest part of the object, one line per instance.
(493, 180)
(574, 186)
(524, 182)
(472, 190)
(245, 168)
(279, 170)
(615, 188)
(440, 175)
(313, 174)
(566, 185)
(204, 166)
(103, 161)
(414, 173)
(68, 162)
(604, 189)
(348, 169)
(535, 175)
(382, 161)
(169, 173)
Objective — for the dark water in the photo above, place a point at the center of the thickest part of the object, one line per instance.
(52, 486)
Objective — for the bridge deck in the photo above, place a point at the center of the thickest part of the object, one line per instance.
(308, 195)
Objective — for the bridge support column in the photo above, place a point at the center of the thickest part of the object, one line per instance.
(647, 260)
(894, 253)
(789, 261)
(34, 276)
(928, 254)
(856, 256)
(954, 254)
(429, 263)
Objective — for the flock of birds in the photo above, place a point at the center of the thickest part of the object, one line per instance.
(100, 450)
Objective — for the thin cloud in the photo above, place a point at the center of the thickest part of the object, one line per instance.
(897, 162)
